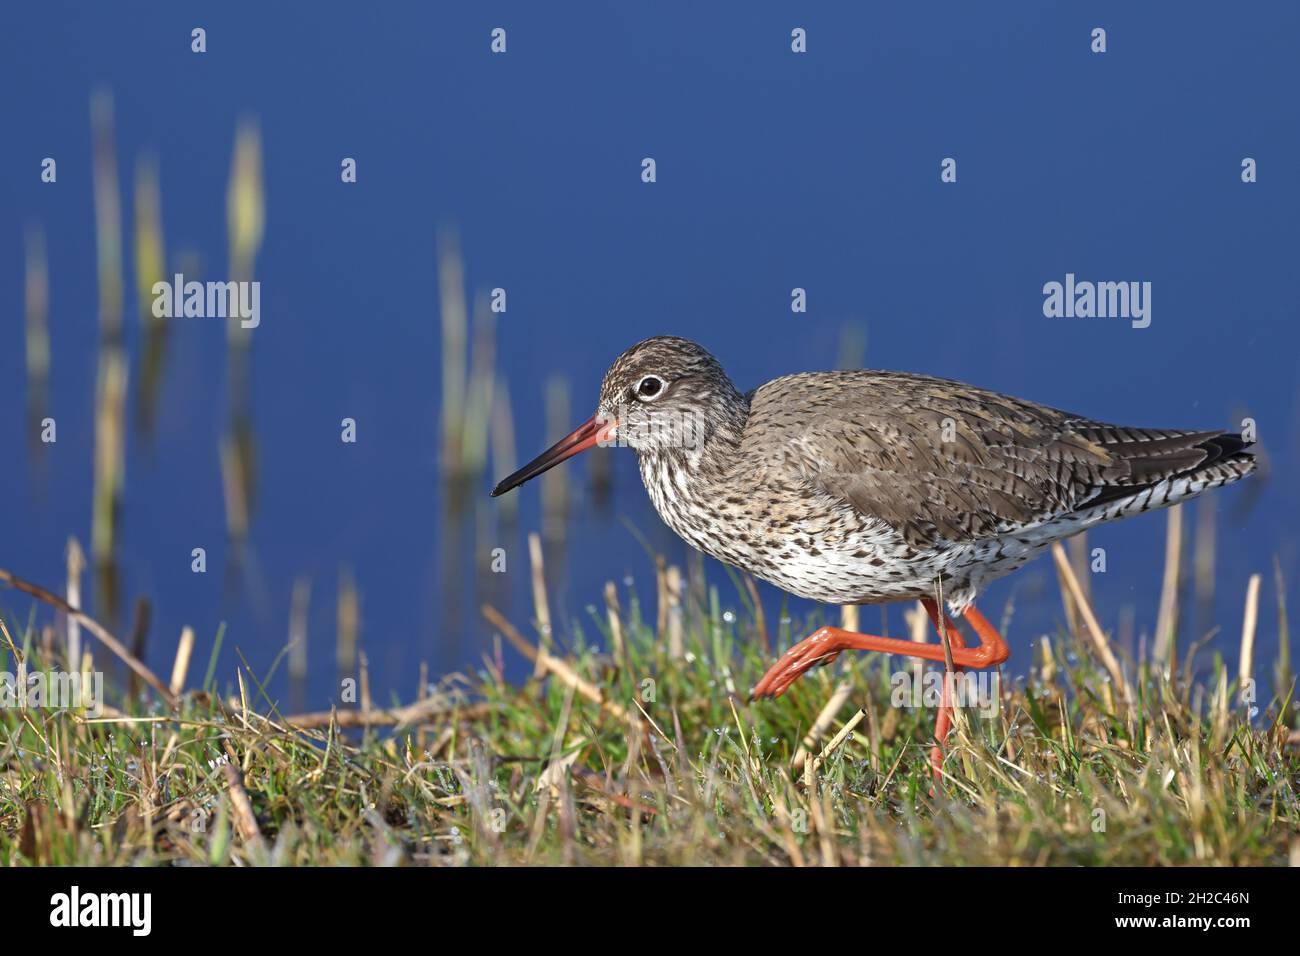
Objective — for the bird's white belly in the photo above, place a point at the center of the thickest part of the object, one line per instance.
(829, 552)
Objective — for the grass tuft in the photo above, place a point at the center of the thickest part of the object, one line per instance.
(650, 760)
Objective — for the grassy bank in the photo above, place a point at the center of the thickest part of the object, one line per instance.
(644, 756)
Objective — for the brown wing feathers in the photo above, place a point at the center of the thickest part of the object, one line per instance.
(934, 458)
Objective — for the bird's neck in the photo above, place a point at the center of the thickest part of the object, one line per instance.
(686, 483)
(713, 438)
(725, 425)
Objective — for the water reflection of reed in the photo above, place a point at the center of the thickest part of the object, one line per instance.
(76, 562)
(348, 617)
(555, 483)
(851, 352)
(245, 224)
(503, 451)
(150, 267)
(476, 435)
(479, 391)
(37, 299)
(111, 378)
(298, 615)
(455, 351)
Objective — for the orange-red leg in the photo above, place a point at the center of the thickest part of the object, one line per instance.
(943, 721)
(825, 643)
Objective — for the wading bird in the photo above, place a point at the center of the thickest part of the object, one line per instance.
(862, 487)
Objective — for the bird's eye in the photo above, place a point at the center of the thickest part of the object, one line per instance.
(649, 387)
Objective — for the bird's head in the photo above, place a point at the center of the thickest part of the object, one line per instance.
(661, 393)
(662, 396)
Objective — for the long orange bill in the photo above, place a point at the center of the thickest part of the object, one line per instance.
(587, 435)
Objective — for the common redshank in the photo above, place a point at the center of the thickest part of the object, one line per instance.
(863, 487)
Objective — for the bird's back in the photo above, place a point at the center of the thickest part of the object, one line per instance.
(938, 459)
